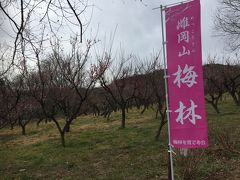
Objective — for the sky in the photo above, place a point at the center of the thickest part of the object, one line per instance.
(137, 27)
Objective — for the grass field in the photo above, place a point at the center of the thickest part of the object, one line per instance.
(99, 149)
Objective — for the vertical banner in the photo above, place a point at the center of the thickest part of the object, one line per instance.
(188, 124)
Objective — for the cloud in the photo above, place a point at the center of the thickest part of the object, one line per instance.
(138, 26)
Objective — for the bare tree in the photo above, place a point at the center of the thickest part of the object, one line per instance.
(144, 92)
(213, 83)
(24, 114)
(33, 15)
(27, 108)
(101, 103)
(10, 94)
(231, 75)
(227, 22)
(156, 90)
(62, 83)
(28, 23)
(119, 84)
(5, 65)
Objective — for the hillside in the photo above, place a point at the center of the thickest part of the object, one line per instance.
(99, 149)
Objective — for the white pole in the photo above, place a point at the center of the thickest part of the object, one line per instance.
(166, 90)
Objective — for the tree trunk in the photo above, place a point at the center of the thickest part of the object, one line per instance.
(236, 99)
(68, 128)
(162, 123)
(123, 116)
(23, 129)
(98, 112)
(144, 108)
(62, 138)
(215, 106)
(214, 102)
(159, 130)
(61, 132)
(22, 125)
(156, 114)
(38, 122)
(108, 115)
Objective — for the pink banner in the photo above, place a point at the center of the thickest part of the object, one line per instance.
(188, 124)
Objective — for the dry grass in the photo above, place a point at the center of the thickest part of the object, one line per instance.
(100, 149)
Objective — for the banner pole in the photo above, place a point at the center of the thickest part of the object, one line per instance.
(170, 151)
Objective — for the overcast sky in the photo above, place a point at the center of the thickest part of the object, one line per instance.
(138, 27)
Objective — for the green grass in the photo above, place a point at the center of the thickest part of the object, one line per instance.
(99, 149)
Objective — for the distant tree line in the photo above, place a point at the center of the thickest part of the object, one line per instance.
(65, 87)
(60, 87)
